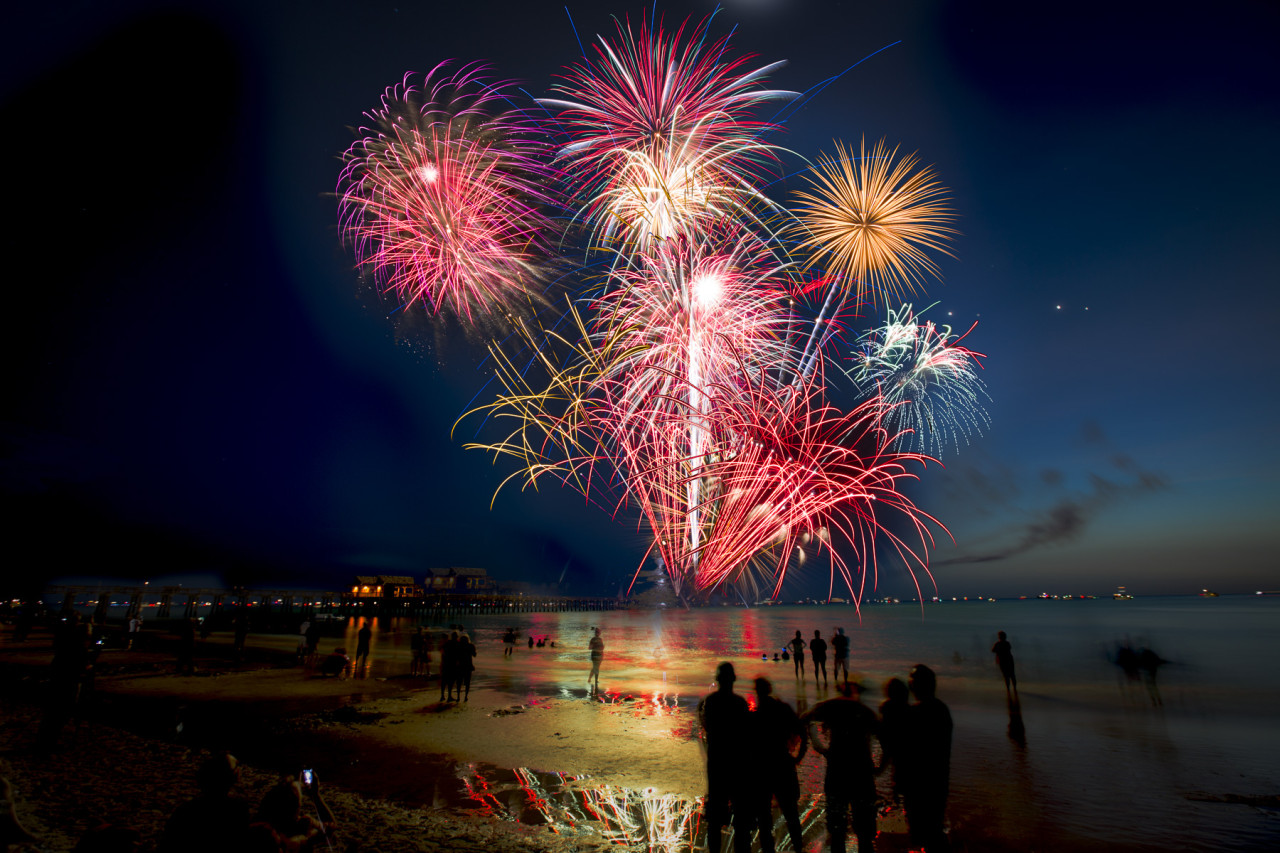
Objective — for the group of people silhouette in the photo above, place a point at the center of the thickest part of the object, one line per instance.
(795, 649)
(752, 757)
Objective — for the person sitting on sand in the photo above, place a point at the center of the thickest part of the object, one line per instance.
(335, 664)
(214, 821)
(281, 809)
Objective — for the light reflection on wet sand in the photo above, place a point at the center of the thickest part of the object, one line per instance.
(1087, 763)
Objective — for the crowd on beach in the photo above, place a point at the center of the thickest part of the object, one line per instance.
(752, 748)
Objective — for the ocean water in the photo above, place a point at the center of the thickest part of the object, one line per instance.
(1088, 758)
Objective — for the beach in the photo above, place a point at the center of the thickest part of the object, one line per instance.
(534, 761)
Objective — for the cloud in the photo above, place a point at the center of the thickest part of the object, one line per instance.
(1070, 517)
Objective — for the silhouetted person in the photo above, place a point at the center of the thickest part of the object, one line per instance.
(596, 646)
(281, 809)
(301, 654)
(926, 762)
(724, 718)
(530, 641)
(509, 643)
(466, 666)
(313, 641)
(214, 821)
(335, 664)
(448, 666)
(840, 649)
(797, 654)
(71, 666)
(818, 651)
(780, 744)
(1004, 658)
(135, 630)
(849, 784)
(893, 730)
(363, 639)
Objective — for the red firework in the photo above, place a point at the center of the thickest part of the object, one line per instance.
(442, 196)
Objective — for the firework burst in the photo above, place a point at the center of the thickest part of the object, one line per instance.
(871, 220)
(929, 379)
(661, 133)
(442, 196)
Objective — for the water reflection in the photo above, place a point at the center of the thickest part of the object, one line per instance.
(572, 806)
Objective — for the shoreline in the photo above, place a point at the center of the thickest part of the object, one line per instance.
(526, 764)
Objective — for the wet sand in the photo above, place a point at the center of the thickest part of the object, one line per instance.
(533, 761)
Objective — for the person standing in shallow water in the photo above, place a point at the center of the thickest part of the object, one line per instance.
(849, 784)
(780, 745)
(925, 762)
(1003, 651)
(818, 651)
(725, 719)
(596, 646)
(840, 647)
(797, 654)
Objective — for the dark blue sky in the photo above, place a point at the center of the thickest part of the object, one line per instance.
(195, 382)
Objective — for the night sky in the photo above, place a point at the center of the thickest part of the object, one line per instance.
(198, 384)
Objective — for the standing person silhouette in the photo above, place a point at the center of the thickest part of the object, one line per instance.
(725, 718)
(850, 781)
(449, 659)
(466, 665)
(840, 648)
(363, 639)
(797, 654)
(596, 646)
(780, 743)
(818, 650)
(893, 731)
(926, 760)
(1003, 651)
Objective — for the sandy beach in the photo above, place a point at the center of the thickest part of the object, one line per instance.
(533, 761)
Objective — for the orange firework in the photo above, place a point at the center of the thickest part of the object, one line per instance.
(871, 220)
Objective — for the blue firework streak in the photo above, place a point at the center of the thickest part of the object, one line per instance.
(927, 376)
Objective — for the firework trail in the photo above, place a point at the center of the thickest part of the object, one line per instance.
(929, 379)
(661, 134)
(871, 220)
(442, 197)
(784, 470)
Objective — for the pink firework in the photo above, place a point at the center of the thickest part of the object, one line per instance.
(660, 128)
(442, 197)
